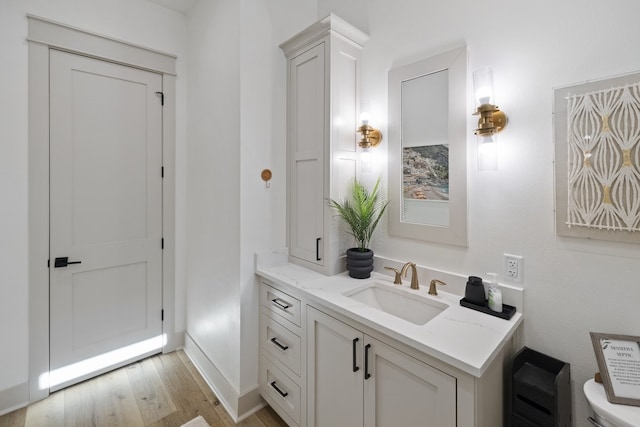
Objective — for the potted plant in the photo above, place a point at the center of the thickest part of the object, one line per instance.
(362, 213)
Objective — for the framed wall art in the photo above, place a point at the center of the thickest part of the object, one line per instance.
(597, 159)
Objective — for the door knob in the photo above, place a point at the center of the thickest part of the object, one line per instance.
(63, 262)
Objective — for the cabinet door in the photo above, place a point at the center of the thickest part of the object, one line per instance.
(402, 391)
(306, 135)
(334, 371)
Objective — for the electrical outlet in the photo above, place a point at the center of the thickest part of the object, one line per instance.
(513, 268)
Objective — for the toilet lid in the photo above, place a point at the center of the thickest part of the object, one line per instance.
(618, 415)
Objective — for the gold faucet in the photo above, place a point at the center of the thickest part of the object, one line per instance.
(432, 286)
(396, 280)
(414, 274)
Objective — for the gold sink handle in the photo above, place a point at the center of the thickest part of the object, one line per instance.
(432, 286)
(397, 280)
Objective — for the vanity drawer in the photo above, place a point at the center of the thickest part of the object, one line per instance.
(280, 303)
(279, 389)
(280, 343)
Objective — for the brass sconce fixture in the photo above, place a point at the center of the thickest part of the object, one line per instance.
(371, 137)
(490, 121)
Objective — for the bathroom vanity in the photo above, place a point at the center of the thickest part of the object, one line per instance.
(339, 351)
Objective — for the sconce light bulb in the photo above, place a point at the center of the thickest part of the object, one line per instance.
(488, 139)
(364, 118)
(483, 85)
(366, 160)
(487, 155)
(484, 95)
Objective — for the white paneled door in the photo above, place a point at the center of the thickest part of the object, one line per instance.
(106, 216)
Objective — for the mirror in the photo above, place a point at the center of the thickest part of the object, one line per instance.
(428, 149)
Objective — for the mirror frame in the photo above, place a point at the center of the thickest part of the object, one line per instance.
(456, 233)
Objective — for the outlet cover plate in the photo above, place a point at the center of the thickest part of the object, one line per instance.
(513, 268)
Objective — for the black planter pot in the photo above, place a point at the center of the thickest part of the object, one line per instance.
(359, 264)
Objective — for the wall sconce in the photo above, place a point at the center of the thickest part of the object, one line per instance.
(371, 138)
(490, 121)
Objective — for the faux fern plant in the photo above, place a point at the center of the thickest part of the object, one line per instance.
(362, 211)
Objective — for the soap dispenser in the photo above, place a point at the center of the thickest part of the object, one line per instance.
(495, 294)
(474, 291)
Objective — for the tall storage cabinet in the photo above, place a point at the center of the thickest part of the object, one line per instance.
(323, 68)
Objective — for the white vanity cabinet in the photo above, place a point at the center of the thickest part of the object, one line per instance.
(323, 65)
(320, 366)
(354, 379)
(281, 353)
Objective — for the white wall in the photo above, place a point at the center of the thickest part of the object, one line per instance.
(236, 110)
(265, 24)
(213, 183)
(138, 22)
(572, 286)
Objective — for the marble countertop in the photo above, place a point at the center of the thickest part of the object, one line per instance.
(463, 338)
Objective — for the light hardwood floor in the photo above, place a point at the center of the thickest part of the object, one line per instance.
(164, 390)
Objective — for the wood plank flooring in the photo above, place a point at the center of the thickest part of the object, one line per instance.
(163, 390)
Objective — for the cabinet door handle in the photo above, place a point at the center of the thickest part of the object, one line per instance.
(367, 375)
(279, 304)
(318, 249)
(594, 422)
(275, 341)
(355, 367)
(280, 392)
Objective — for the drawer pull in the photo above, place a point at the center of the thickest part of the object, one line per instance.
(367, 375)
(280, 392)
(280, 304)
(355, 367)
(275, 341)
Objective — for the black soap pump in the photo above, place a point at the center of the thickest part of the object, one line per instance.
(474, 292)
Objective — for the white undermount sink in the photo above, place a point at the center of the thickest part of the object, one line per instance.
(398, 301)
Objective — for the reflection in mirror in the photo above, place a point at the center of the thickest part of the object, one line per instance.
(427, 149)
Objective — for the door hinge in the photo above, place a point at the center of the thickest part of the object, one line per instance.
(162, 315)
(162, 171)
(48, 263)
(162, 243)
(161, 97)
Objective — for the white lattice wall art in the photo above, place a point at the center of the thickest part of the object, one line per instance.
(598, 128)
(603, 134)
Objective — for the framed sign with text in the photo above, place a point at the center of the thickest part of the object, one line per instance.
(619, 363)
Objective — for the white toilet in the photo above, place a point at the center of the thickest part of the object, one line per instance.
(609, 414)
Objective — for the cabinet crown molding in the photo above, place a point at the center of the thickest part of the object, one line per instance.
(331, 24)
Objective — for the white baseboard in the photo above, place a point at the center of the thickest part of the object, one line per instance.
(13, 398)
(175, 341)
(249, 402)
(239, 406)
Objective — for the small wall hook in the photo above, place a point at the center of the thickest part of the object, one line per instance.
(266, 177)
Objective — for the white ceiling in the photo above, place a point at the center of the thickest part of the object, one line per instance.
(181, 6)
